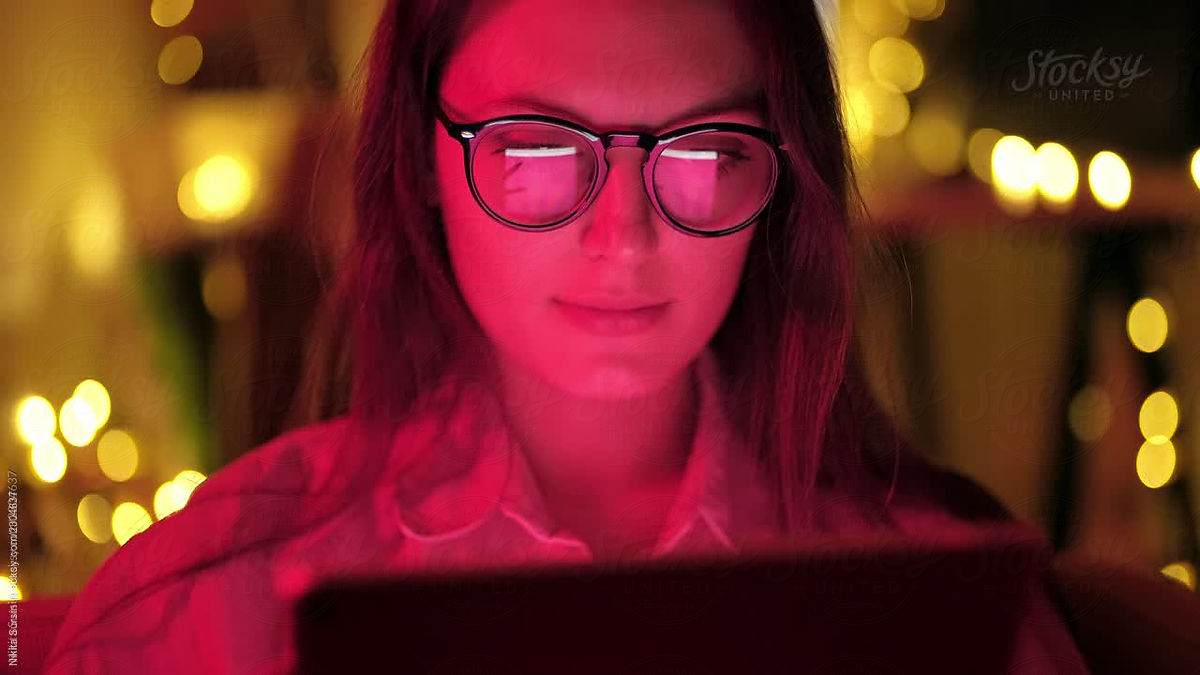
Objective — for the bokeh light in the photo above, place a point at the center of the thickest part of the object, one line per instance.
(1109, 179)
(1147, 325)
(935, 137)
(1159, 416)
(189, 479)
(48, 459)
(1183, 572)
(1156, 463)
(128, 519)
(1014, 174)
(1056, 173)
(1013, 165)
(11, 592)
(94, 514)
(896, 64)
(97, 397)
(95, 234)
(167, 13)
(921, 10)
(169, 498)
(1090, 414)
(117, 455)
(1196, 168)
(859, 124)
(180, 59)
(77, 421)
(889, 109)
(35, 419)
(979, 152)
(217, 190)
(879, 18)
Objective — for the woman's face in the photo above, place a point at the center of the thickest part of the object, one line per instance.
(621, 65)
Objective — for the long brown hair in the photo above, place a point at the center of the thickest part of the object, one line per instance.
(796, 387)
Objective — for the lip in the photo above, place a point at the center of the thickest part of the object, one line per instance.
(612, 322)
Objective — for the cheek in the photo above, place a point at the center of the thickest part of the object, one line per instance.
(710, 279)
(498, 269)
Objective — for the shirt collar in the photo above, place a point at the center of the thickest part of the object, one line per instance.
(472, 472)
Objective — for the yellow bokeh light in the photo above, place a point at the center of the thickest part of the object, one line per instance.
(1156, 463)
(35, 419)
(128, 519)
(1090, 414)
(167, 13)
(180, 59)
(95, 234)
(224, 287)
(220, 189)
(1159, 416)
(979, 152)
(889, 110)
(1014, 165)
(11, 592)
(896, 64)
(879, 18)
(1014, 174)
(921, 10)
(77, 421)
(49, 459)
(1056, 173)
(169, 498)
(1183, 572)
(935, 139)
(1196, 167)
(1109, 179)
(856, 109)
(1147, 325)
(117, 455)
(189, 479)
(93, 515)
(97, 397)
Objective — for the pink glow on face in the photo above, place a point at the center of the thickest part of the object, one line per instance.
(619, 66)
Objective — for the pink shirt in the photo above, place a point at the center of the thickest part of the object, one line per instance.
(210, 589)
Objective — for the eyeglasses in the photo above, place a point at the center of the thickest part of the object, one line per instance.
(538, 173)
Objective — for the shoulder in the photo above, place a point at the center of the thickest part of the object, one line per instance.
(257, 501)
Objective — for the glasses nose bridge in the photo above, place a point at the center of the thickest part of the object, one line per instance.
(628, 140)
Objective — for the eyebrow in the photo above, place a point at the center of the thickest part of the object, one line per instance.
(741, 100)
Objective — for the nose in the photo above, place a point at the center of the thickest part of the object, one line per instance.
(620, 223)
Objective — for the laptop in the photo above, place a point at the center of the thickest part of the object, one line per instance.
(865, 604)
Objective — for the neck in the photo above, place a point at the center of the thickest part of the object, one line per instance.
(592, 450)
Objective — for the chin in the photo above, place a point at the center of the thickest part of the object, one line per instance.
(605, 381)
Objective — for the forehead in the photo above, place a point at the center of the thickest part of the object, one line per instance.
(618, 62)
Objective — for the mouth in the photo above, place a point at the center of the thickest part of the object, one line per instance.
(612, 322)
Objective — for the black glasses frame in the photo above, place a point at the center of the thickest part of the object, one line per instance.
(469, 136)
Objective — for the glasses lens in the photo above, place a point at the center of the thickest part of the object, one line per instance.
(533, 174)
(714, 180)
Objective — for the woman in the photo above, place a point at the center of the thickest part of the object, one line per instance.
(572, 340)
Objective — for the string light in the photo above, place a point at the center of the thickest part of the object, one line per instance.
(167, 13)
(35, 419)
(1146, 325)
(117, 455)
(77, 421)
(49, 460)
(129, 519)
(93, 515)
(180, 59)
(1057, 176)
(1110, 180)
